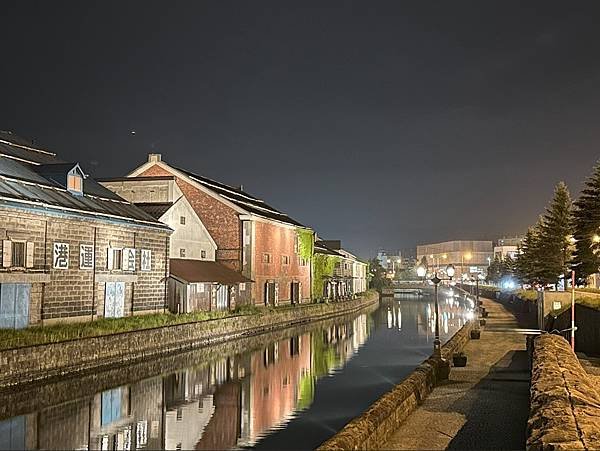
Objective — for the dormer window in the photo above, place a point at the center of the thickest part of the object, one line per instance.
(75, 180)
(75, 183)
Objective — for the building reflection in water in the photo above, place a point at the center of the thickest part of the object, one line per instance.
(229, 403)
(232, 402)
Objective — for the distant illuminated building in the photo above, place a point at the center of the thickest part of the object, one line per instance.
(466, 256)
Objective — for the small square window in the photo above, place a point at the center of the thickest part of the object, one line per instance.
(182, 220)
(266, 258)
(182, 252)
(285, 259)
(202, 254)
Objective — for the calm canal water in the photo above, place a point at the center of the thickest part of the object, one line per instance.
(290, 393)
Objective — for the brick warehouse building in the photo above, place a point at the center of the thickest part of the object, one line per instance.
(71, 249)
(252, 237)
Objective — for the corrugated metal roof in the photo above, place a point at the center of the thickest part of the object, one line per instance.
(155, 209)
(242, 199)
(195, 271)
(43, 181)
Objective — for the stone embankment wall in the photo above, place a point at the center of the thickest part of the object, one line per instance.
(24, 399)
(565, 405)
(27, 364)
(372, 429)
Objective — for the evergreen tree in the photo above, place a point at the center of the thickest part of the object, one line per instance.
(587, 227)
(508, 267)
(554, 251)
(494, 272)
(527, 263)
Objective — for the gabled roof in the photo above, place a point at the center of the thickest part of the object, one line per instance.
(34, 177)
(241, 199)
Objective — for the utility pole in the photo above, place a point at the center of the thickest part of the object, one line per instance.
(573, 310)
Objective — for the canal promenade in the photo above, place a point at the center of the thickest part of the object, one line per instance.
(483, 405)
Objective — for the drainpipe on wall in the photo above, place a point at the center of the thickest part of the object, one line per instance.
(135, 271)
(94, 276)
(45, 268)
(166, 273)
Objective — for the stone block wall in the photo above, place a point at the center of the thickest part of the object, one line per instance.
(564, 402)
(78, 294)
(372, 429)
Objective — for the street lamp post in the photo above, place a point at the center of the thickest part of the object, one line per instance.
(437, 344)
(444, 366)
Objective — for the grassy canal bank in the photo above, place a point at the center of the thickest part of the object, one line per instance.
(111, 345)
(11, 338)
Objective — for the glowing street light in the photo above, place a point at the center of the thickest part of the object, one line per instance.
(450, 271)
(437, 344)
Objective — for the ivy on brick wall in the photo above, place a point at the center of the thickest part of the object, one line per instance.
(306, 243)
(323, 266)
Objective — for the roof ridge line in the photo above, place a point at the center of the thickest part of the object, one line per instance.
(22, 146)
(58, 188)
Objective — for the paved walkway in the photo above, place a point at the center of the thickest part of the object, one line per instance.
(484, 405)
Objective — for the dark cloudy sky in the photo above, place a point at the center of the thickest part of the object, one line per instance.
(384, 124)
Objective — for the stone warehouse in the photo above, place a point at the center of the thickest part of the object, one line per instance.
(251, 237)
(197, 281)
(72, 250)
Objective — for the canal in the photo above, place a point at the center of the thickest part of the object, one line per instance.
(290, 390)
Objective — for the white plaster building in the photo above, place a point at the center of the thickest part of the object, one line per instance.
(197, 281)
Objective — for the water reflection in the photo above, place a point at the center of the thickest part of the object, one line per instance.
(257, 398)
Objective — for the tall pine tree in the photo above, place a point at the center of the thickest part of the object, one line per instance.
(555, 237)
(586, 258)
(527, 263)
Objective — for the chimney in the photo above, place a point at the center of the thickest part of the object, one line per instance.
(154, 157)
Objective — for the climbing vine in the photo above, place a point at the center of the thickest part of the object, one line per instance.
(323, 266)
(306, 243)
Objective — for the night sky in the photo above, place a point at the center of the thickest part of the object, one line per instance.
(383, 124)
